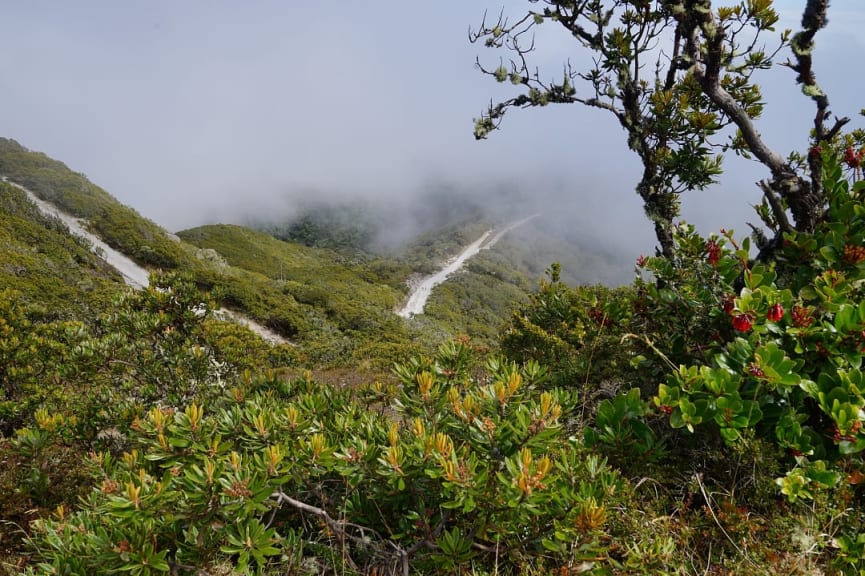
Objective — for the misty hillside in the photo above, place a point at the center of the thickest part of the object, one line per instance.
(329, 278)
(429, 226)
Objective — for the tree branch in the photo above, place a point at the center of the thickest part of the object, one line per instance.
(804, 201)
(339, 527)
(813, 20)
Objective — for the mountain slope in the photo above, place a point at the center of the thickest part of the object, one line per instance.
(337, 310)
(337, 305)
(311, 292)
(39, 259)
(118, 225)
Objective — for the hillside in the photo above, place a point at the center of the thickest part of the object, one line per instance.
(118, 225)
(48, 266)
(335, 310)
(336, 304)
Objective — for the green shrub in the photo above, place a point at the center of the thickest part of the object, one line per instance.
(578, 333)
(468, 467)
(792, 372)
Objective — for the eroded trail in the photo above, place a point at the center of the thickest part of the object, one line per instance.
(421, 292)
(133, 274)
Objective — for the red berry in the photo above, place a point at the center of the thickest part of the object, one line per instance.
(742, 322)
(775, 313)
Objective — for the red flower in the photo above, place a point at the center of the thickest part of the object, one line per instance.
(641, 261)
(853, 254)
(742, 322)
(714, 252)
(775, 313)
(600, 317)
(852, 158)
(727, 304)
(755, 370)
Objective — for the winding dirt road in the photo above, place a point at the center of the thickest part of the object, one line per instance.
(420, 293)
(133, 274)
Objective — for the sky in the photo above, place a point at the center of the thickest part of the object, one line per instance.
(196, 111)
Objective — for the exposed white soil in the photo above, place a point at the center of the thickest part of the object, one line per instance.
(133, 274)
(420, 290)
(266, 333)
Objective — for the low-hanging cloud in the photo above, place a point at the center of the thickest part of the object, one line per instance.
(202, 111)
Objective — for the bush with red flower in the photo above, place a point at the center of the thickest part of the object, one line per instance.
(794, 379)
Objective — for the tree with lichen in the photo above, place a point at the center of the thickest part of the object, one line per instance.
(678, 77)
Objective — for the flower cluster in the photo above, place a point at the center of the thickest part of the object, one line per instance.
(852, 157)
(713, 252)
(801, 317)
(853, 254)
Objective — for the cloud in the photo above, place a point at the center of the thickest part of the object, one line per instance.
(213, 110)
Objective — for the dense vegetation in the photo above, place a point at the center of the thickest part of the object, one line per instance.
(207, 451)
(706, 419)
(337, 312)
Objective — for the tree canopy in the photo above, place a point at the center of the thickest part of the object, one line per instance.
(678, 75)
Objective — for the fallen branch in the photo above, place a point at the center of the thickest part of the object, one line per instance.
(340, 527)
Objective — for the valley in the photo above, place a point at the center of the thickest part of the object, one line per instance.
(333, 297)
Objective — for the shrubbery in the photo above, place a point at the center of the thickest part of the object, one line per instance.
(760, 362)
(710, 415)
(445, 471)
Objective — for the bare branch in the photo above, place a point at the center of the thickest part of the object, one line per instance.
(706, 64)
(813, 20)
(778, 211)
(339, 527)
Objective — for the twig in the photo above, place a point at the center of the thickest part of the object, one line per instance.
(649, 343)
(718, 522)
(339, 527)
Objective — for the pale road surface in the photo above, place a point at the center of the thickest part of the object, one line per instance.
(133, 274)
(421, 292)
